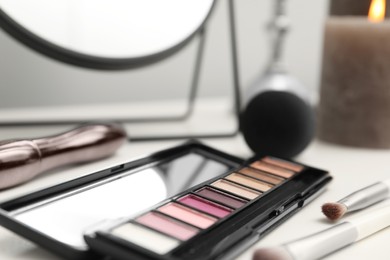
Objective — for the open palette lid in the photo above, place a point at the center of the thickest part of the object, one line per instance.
(57, 217)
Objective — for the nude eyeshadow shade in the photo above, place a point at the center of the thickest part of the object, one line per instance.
(277, 170)
(260, 175)
(236, 189)
(284, 164)
(249, 182)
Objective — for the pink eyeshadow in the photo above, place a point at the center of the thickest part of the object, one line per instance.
(205, 206)
(187, 215)
(167, 225)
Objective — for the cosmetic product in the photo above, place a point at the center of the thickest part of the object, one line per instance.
(22, 160)
(328, 241)
(357, 200)
(186, 202)
(289, 128)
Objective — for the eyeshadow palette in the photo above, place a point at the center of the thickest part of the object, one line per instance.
(214, 219)
(187, 202)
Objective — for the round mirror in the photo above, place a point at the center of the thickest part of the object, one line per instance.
(116, 34)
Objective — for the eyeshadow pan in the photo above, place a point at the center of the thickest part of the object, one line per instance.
(236, 189)
(187, 215)
(260, 175)
(205, 206)
(167, 226)
(221, 197)
(249, 182)
(146, 238)
(272, 169)
(284, 164)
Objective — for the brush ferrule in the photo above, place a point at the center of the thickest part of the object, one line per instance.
(321, 244)
(365, 197)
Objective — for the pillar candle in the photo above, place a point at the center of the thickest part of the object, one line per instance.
(354, 104)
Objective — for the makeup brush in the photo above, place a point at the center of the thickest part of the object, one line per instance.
(22, 160)
(329, 240)
(358, 200)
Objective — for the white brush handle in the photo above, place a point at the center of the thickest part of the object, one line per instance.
(387, 183)
(372, 222)
(367, 196)
(325, 242)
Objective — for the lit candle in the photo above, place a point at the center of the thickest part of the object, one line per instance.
(355, 87)
(351, 7)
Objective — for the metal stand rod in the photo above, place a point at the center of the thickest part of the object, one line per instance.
(278, 29)
(235, 66)
(236, 87)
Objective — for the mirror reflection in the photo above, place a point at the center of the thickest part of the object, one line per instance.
(110, 29)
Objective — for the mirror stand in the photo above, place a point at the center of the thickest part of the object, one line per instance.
(195, 86)
(190, 100)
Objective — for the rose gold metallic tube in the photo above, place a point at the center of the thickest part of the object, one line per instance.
(22, 160)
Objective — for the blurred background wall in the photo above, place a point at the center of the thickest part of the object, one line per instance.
(28, 79)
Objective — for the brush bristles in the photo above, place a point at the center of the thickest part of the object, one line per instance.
(275, 253)
(334, 211)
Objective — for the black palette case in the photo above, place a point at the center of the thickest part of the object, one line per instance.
(90, 217)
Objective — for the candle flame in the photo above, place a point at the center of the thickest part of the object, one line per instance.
(377, 11)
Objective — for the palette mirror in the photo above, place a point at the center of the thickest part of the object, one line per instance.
(104, 34)
(64, 218)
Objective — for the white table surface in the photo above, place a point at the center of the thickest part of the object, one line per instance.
(351, 168)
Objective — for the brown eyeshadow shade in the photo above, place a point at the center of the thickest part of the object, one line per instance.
(221, 197)
(260, 175)
(272, 169)
(236, 189)
(249, 182)
(284, 164)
